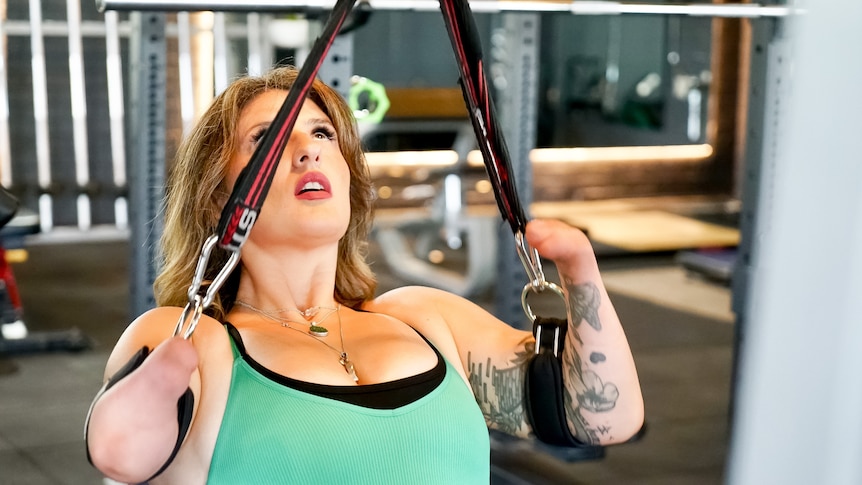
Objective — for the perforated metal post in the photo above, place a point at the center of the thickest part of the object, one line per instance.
(147, 167)
(764, 101)
(337, 67)
(513, 72)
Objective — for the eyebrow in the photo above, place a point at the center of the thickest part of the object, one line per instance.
(317, 121)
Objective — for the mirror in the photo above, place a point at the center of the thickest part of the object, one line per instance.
(603, 80)
(623, 80)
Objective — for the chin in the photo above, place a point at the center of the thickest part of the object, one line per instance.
(315, 232)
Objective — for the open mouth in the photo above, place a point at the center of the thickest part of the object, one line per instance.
(313, 183)
(311, 187)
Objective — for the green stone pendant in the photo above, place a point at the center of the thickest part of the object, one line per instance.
(318, 331)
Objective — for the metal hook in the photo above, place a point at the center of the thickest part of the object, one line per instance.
(532, 262)
(201, 268)
(197, 309)
(196, 302)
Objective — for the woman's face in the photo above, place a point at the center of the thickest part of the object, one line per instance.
(308, 203)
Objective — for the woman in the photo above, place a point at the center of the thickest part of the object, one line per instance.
(299, 373)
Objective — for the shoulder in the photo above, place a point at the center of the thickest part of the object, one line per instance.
(425, 309)
(437, 314)
(412, 297)
(416, 306)
(154, 327)
(159, 324)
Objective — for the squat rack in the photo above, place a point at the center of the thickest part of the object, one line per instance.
(521, 22)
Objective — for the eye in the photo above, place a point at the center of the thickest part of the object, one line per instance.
(257, 134)
(324, 132)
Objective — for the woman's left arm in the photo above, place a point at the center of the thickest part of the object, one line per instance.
(603, 398)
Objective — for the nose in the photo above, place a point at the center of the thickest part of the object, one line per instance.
(306, 150)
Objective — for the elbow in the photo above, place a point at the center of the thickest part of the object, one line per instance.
(626, 428)
(633, 432)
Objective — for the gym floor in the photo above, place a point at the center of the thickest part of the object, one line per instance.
(679, 326)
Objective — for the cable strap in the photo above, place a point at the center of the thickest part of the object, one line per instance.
(544, 399)
(249, 192)
(243, 206)
(468, 52)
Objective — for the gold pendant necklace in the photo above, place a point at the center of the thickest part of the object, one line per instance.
(315, 327)
(343, 359)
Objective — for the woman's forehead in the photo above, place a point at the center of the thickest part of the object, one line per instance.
(265, 106)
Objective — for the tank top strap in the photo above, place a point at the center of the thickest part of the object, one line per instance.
(236, 345)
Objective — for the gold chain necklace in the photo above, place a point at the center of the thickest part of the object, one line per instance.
(343, 358)
(314, 328)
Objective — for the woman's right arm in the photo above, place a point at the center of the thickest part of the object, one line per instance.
(133, 426)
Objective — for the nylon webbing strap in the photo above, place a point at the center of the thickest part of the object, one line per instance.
(249, 192)
(468, 51)
(544, 403)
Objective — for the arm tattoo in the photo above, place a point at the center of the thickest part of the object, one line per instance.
(500, 392)
(584, 389)
(583, 304)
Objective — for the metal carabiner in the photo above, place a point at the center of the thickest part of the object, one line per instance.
(197, 303)
(532, 262)
(197, 310)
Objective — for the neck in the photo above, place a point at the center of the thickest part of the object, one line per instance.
(288, 279)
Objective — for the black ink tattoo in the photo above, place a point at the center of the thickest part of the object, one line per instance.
(585, 391)
(579, 426)
(499, 392)
(584, 302)
(597, 397)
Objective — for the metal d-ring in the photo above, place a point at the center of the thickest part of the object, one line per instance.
(533, 287)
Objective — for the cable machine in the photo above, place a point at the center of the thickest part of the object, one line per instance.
(770, 57)
(519, 21)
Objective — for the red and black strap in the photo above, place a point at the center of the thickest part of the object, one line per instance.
(474, 85)
(249, 192)
(543, 386)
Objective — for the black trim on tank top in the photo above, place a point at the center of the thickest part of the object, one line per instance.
(384, 395)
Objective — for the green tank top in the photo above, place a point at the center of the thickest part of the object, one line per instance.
(272, 433)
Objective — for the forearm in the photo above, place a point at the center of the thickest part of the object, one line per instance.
(603, 397)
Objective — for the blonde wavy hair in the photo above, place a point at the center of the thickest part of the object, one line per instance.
(196, 192)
